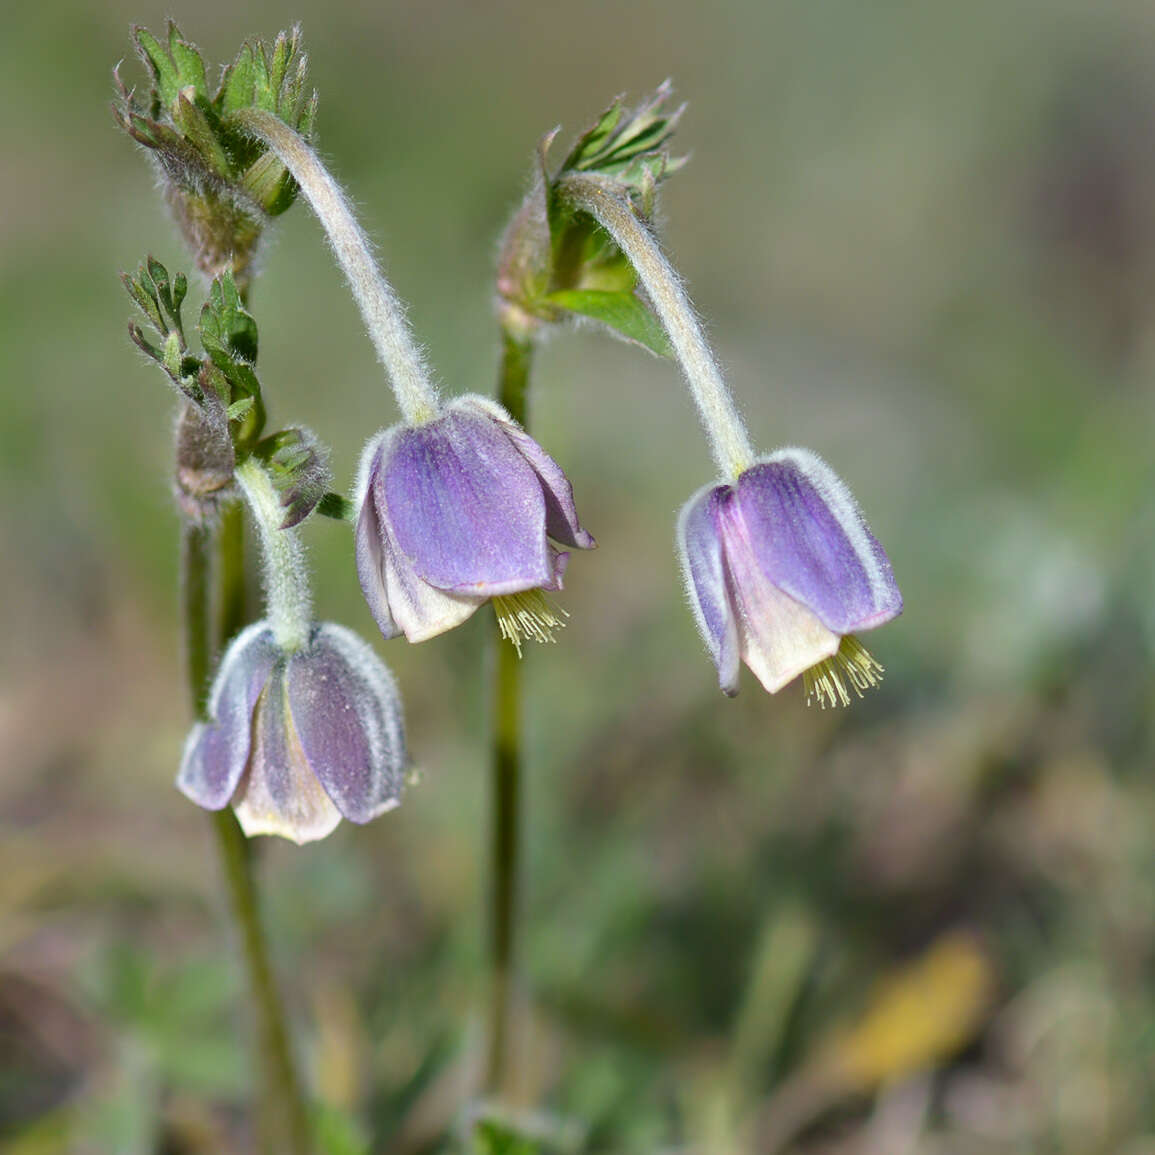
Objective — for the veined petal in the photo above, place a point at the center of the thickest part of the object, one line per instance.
(703, 569)
(279, 793)
(216, 752)
(561, 516)
(811, 541)
(464, 507)
(346, 711)
(779, 637)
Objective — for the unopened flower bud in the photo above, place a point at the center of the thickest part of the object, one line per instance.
(204, 464)
(219, 183)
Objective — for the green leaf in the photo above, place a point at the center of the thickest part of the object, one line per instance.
(268, 183)
(143, 292)
(298, 465)
(262, 82)
(622, 312)
(190, 118)
(337, 506)
(159, 299)
(227, 328)
(280, 61)
(165, 75)
(173, 355)
(591, 142)
(179, 292)
(238, 409)
(236, 90)
(189, 65)
(308, 116)
(136, 335)
(620, 138)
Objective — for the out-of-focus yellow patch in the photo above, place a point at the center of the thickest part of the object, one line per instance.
(917, 1017)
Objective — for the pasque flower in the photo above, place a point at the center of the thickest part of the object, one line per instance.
(298, 738)
(456, 505)
(304, 723)
(780, 567)
(458, 510)
(781, 572)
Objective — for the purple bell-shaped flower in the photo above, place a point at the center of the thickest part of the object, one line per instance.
(298, 739)
(460, 509)
(782, 571)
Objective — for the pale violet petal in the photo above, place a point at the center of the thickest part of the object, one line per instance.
(279, 793)
(779, 638)
(703, 570)
(420, 611)
(812, 542)
(464, 507)
(216, 752)
(561, 515)
(346, 711)
(371, 566)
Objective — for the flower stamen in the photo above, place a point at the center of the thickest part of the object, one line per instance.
(528, 615)
(826, 683)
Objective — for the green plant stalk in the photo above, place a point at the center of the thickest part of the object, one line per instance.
(232, 610)
(283, 1123)
(505, 769)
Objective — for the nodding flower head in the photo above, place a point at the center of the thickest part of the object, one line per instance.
(781, 572)
(459, 510)
(299, 739)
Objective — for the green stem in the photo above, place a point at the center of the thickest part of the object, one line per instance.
(513, 388)
(196, 554)
(283, 1121)
(232, 610)
(513, 383)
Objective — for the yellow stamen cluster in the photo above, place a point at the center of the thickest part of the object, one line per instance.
(826, 683)
(527, 615)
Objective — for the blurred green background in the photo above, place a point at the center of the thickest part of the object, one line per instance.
(923, 238)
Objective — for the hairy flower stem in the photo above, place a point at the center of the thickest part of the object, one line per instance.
(289, 604)
(382, 312)
(283, 1122)
(505, 768)
(728, 438)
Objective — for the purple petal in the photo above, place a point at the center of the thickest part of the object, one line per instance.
(398, 599)
(464, 506)
(778, 637)
(561, 516)
(347, 713)
(371, 566)
(700, 547)
(216, 752)
(420, 610)
(811, 541)
(280, 794)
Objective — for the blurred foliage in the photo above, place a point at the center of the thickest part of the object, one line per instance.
(923, 236)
